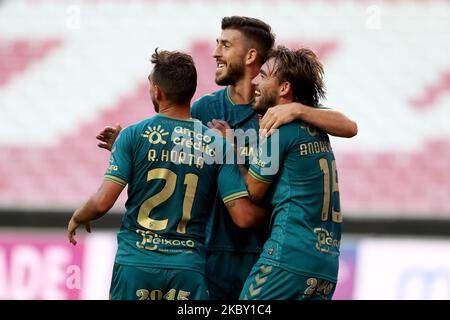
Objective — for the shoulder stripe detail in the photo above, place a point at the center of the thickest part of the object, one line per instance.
(115, 179)
(258, 177)
(235, 196)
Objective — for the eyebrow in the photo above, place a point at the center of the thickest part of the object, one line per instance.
(222, 41)
(263, 72)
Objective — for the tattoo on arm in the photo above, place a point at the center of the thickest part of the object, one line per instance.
(231, 204)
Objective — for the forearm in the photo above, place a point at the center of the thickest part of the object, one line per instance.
(330, 121)
(91, 210)
(245, 214)
(255, 195)
(258, 215)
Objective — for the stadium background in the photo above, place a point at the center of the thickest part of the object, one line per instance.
(68, 68)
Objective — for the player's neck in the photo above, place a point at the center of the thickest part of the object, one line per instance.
(180, 111)
(243, 92)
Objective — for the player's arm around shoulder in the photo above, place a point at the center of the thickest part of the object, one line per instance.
(328, 120)
(201, 106)
(234, 194)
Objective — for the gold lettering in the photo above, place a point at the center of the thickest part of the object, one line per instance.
(312, 284)
(310, 148)
(200, 162)
(177, 140)
(142, 294)
(173, 156)
(316, 147)
(191, 157)
(182, 157)
(198, 145)
(178, 130)
(156, 295)
(165, 155)
(303, 149)
(151, 155)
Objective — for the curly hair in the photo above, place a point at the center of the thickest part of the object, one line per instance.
(303, 70)
(176, 74)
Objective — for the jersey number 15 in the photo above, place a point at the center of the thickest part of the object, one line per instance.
(336, 215)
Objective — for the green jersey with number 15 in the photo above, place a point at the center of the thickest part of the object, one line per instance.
(306, 221)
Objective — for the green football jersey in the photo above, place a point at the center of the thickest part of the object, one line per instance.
(223, 234)
(306, 221)
(172, 168)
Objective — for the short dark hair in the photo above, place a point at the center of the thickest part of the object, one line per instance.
(174, 72)
(303, 70)
(256, 31)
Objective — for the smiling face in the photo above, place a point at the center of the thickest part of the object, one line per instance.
(230, 53)
(267, 87)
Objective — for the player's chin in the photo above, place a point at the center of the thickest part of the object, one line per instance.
(257, 102)
(221, 80)
(257, 107)
(219, 76)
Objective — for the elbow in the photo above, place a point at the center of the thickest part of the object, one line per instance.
(352, 130)
(102, 208)
(244, 222)
(244, 218)
(254, 198)
(102, 205)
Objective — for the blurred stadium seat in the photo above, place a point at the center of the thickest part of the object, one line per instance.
(71, 68)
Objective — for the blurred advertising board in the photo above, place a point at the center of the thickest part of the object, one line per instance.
(403, 269)
(346, 276)
(45, 266)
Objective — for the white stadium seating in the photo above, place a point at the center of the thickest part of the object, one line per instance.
(69, 68)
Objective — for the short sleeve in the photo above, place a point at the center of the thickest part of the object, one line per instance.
(197, 109)
(119, 169)
(266, 164)
(194, 109)
(230, 182)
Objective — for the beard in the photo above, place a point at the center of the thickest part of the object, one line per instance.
(234, 73)
(264, 102)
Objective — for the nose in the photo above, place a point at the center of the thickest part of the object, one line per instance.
(216, 52)
(255, 80)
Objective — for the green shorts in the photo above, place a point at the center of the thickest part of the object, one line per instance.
(227, 271)
(148, 283)
(272, 283)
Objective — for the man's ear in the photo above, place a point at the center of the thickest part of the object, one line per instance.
(252, 55)
(159, 94)
(285, 89)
